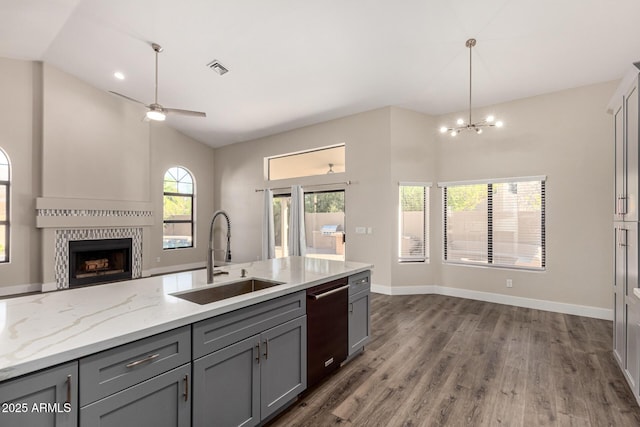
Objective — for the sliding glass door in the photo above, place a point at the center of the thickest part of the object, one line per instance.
(324, 224)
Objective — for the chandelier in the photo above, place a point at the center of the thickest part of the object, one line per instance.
(489, 121)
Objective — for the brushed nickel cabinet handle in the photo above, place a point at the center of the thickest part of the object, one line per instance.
(145, 360)
(258, 356)
(186, 388)
(266, 349)
(351, 308)
(68, 389)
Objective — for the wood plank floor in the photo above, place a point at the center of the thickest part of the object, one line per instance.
(442, 361)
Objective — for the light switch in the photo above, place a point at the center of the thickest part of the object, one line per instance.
(370, 230)
(361, 230)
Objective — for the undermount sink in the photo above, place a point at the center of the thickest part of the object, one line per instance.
(228, 290)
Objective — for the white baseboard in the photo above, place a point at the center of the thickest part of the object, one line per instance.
(19, 289)
(557, 307)
(173, 268)
(48, 287)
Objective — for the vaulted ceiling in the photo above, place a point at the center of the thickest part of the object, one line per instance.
(294, 63)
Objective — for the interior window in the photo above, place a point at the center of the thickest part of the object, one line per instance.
(498, 223)
(177, 218)
(413, 244)
(319, 161)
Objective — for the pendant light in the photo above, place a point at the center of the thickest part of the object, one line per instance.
(477, 127)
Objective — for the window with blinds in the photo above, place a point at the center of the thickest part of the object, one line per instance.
(497, 223)
(413, 244)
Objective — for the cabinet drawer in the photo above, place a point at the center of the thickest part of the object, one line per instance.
(220, 331)
(114, 370)
(359, 282)
(164, 400)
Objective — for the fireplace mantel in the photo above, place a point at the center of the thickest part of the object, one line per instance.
(79, 213)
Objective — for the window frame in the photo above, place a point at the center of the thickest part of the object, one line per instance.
(490, 222)
(7, 221)
(424, 258)
(191, 219)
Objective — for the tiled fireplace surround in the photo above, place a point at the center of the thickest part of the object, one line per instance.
(65, 220)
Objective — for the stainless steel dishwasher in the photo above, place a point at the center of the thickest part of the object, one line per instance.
(327, 328)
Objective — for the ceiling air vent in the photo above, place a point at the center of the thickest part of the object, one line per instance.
(216, 66)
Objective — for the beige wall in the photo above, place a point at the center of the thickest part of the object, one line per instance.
(567, 137)
(564, 135)
(239, 171)
(20, 129)
(69, 140)
(95, 145)
(171, 148)
(413, 159)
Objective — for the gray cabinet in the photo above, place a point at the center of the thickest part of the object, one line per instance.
(632, 360)
(283, 371)
(44, 399)
(226, 385)
(625, 113)
(626, 307)
(143, 383)
(162, 401)
(359, 311)
(625, 279)
(245, 382)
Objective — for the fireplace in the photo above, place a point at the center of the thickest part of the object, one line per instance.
(99, 261)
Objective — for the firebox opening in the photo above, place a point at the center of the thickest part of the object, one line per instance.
(99, 261)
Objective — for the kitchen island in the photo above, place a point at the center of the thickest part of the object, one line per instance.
(111, 321)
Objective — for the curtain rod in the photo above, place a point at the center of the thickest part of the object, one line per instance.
(305, 186)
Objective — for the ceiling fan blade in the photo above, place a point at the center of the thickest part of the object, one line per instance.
(126, 97)
(185, 112)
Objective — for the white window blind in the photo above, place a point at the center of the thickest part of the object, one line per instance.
(498, 223)
(413, 244)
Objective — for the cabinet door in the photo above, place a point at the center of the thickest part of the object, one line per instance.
(226, 387)
(619, 293)
(632, 365)
(359, 325)
(620, 167)
(283, 370)
(48, 398)
(631, 136)
(162, 401)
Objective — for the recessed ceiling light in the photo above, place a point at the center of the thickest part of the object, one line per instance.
(118, 75)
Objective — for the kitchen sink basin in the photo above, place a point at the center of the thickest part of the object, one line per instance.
(228, 290)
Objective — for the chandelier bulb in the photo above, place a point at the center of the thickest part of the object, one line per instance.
(443, 129)
(490, 119)
(499, 124)
(478, 131)
(454, 133)
(460, 122)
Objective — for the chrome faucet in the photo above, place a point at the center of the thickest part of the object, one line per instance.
(227, 253)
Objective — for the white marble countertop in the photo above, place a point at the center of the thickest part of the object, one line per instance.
(38, 331)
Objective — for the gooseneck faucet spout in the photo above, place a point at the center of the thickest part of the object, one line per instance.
(227, 253)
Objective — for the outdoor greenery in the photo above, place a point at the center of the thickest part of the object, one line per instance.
(174, 206)
(412, 198)
(327, 202)
(466, 197)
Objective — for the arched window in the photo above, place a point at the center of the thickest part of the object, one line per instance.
(177, 215)
(5, 180)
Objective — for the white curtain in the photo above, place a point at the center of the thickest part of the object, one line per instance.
(297, 239)
(268, 237)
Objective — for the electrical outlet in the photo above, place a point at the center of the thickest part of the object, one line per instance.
(361, 230)
(158, 259)
(509, 283)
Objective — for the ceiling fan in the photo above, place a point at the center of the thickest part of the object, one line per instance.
(157, 111)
